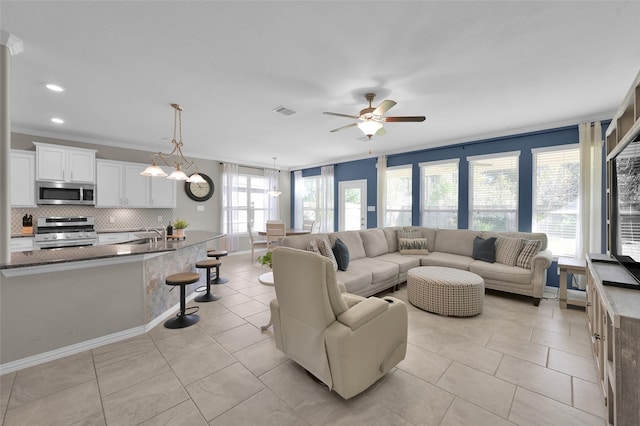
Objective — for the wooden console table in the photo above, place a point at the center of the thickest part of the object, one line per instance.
(614, 322)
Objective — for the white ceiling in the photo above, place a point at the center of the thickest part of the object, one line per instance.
(475, 69)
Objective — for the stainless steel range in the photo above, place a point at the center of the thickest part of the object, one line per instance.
(56, 232)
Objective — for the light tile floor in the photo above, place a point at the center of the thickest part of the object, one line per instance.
(512, 364)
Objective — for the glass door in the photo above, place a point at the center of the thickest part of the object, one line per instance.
(353, 205)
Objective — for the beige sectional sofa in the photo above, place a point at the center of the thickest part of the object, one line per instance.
(375, 264)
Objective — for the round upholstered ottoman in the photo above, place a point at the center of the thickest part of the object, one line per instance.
(446, 291)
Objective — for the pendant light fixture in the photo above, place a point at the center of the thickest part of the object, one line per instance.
(275, 193)
(175, 158)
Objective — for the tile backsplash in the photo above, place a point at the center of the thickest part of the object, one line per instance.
(124, 219)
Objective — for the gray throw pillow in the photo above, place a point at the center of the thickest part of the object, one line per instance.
(341, 252)
(484, 250)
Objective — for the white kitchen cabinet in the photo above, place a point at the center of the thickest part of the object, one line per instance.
(109, 183)
(21, 244)
(120, 184)
(136, 186)
(23, 178)
(163, 192)
(64, 164)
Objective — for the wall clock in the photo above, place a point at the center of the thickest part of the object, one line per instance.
(200, 191)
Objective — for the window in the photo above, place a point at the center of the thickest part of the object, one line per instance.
(311, 198)
(252, 203)
(493, 192)
(439, 194)
(556, 187)
(398, 203)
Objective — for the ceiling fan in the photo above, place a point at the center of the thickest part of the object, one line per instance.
(371, 118)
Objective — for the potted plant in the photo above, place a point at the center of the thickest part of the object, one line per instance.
(265, 259)
(179, 226)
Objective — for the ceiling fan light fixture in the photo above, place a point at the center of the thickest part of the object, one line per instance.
(369, 127)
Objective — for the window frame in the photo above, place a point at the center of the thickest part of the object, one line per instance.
(400, 211)
(423, 195)
(472, 190)
(534, 193)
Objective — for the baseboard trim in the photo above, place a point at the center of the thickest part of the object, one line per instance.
(34, 360)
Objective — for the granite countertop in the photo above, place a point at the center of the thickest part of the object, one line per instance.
(75, 254)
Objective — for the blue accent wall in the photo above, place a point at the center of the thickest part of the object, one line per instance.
(366, 169)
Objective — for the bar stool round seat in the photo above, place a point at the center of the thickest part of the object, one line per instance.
(208, 264)
(218, 254)
(183, 319)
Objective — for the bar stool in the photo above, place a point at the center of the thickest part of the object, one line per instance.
(218, 254)
(183, 319)
(207, 264)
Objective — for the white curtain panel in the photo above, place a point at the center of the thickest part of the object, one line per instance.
(382, 189)
(326, 199)
(298, 216)
(272, 204)
(230, 204)
(589, 238)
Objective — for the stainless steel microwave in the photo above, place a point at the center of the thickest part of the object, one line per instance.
(65, 193)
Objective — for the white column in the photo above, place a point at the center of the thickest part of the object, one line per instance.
(9, 46)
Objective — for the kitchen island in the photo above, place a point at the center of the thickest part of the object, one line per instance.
(62, 301)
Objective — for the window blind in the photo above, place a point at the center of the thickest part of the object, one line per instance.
(439, 194)
(399, 197)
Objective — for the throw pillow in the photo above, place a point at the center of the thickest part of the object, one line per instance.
(313, 246)
(413, 246)
(529, 249)
(507, 250)
(325, 250)
(484, 250)
(341, 251)
(408, 234)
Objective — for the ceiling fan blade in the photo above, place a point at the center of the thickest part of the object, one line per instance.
(381, 132)
(344, 127)
(355, 117)
(385, 106)
(415, 118)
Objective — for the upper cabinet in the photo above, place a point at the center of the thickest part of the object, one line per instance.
(119, 184)
(64, 164)
(23, 176)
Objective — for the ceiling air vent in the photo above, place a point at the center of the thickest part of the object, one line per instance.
(283, 110)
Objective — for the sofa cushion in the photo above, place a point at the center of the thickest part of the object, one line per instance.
(301, 242)
(391, 234)
(502, 273)
(341, 251)
(382, 273)
(313, 247)
(447, 259)
(374, 242)
(529, 249)
(412, 246)
(356, 280)
(404, 262)
(353, 241)
(456, 241)
(484, 250)
(507, 250)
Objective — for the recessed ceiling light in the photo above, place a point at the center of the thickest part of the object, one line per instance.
(55, 88)
(57, 120)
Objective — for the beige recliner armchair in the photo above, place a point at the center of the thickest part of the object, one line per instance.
(346, 341)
